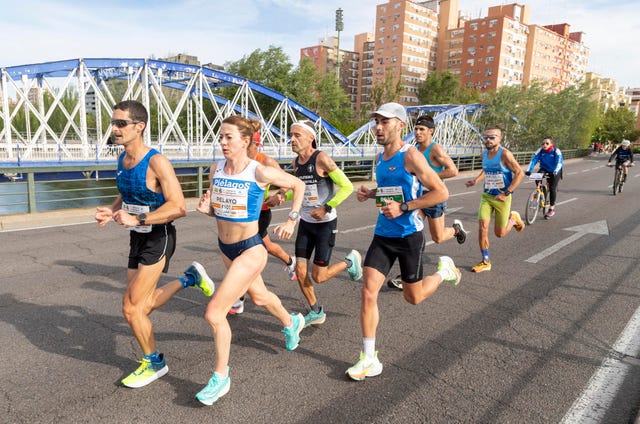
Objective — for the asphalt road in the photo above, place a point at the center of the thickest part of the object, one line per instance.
(524, 342)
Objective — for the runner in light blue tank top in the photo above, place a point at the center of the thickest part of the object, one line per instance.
(501, 174)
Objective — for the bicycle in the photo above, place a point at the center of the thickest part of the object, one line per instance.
(619, 177)
(538, 200)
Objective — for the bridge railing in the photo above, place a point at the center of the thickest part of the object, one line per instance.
(27, 189)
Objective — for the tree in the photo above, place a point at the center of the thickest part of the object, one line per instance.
(445, 88)
(528, 114)
(387, 90)
(619, 124)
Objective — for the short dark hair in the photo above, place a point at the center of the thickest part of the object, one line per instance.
(496, 127)
(137, 111)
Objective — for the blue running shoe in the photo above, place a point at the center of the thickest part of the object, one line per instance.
(292, 333)
(215, 389)
(313, 318)
(202, 280)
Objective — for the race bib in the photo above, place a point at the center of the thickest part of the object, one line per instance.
(494, 180)
(388, 193)
(230, 202)
(137, 210)
(311, 196)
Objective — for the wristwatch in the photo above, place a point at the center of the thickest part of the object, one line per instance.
(507, 192)
(294, 215)
(142, 218)
(327, 208)
(404, 207)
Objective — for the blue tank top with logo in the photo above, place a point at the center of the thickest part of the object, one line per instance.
(497, 177)
(394, 182)
(132, 184)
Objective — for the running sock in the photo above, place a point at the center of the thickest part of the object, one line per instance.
(369, 346)
(153, 356)
(220, 375)
(485, 255)
(315, 308)
(349, 262)
(290, 261)
(187, 281)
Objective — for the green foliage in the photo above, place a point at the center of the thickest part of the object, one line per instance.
(528, 114)
(387, 90)
(445, 88)
(304, 84)
(617, 125)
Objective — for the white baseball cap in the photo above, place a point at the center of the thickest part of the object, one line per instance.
(391, 110)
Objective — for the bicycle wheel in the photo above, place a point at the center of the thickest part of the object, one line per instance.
(616, 180)
(533, 206)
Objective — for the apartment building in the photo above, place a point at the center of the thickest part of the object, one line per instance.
(634, 94)
(606, 91)
(450, 37)
(415, 38)
(364, 45)
(328, 57)
(494, 48)
(555, 55)
(406, 42)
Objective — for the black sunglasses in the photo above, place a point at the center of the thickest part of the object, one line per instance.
(489, 137)
(121, 123)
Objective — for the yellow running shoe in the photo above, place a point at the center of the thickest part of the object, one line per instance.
(482, 266)
(519, 223)
(146, 373)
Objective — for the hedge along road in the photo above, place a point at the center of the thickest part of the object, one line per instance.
(521, 343)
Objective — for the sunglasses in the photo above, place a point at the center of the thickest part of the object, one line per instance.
(121, 123)
(489, 137)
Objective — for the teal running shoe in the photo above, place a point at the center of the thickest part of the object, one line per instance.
(202, 280)
(146, 373)
(313, 318)
(215, 389)
(292, 333)
(355, 270)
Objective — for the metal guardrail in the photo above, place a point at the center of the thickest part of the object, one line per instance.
(27, 191)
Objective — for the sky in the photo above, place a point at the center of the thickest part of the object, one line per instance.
(217, 31)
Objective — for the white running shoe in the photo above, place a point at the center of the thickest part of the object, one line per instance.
(237, 307)
(291, 269)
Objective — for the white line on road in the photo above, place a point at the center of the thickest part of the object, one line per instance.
(604, 384)
(599, 227)
(462, 194)
(567, 201)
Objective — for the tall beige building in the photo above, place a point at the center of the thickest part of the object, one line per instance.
(555, 55)
(364, 45)
(406, 41)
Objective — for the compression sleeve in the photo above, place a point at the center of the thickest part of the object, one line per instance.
(344, 184)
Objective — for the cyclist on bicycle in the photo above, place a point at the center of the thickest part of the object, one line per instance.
(551, 161)
(624, 157)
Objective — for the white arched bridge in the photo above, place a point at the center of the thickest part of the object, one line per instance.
(59, 112)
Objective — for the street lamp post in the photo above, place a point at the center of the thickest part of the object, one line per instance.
(339, 27)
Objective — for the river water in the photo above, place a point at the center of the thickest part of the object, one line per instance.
(53, 195)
